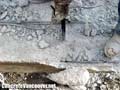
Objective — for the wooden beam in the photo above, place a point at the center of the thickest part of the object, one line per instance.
(27, 68)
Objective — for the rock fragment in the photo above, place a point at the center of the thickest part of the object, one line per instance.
(93, 32)
(3, 29)
(73, 77)
(30, 37)
(103, 87)
(79, 2)
(18, 10)
(78, 87)
(2, 79)
(43, 44)
(112, 47)
(23, 3)
(3, 15)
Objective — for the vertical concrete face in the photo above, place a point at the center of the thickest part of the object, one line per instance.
(27, 35)
(91, 21)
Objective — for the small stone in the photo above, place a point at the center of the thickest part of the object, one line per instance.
(16, 37)
(103, 87)
(111, 77)
(3, 15)
(25, 78)
(42, 44)
(99, 82)
(23, 3)
(77, 18)
(87, 30)
(13, 4)
(18, 11)
(108, 75)
(8, 34)
(39, 37)
(0, 27)
(24, 19)
(3, 29)
(2, 78)
(29, 18)
(0, 34)
(75, 76)
(79, 2)
(62, 88)
(93, 32)
(34, 34)
(40, 32)
(13, 30)
(78, 87)
(7, 18)
(30, 37)
(95, 84)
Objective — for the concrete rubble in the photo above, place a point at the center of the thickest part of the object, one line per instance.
(75, 78)
(27, 35)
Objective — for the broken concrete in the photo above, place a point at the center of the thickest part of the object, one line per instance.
(25, 26)
(75, 78)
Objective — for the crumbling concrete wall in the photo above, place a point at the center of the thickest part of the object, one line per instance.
(28, 25)
(27, 35)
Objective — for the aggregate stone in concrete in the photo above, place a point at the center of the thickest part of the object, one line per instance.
(91, 27)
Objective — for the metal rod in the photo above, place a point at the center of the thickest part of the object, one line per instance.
(63, 27)
(92, 62)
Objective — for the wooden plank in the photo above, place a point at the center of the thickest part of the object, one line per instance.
(27, 68)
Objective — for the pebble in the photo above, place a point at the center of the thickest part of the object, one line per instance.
(3, 29)
(87, 30)
(13, 30)
(99, 82)
(13, 4)
(7, 18)
(3, 15)
(8, 34)
(0, 34)
(77, 18)
(42, 44)
(75, 76)
(0, 27)
(34, 34)
(16, 37)
(2, 78)
(23, 3)
(108, 75)
(39, 37)
(103, 87)
(18, 10)
(80, 87)
(40, 32)
(93, 32)
(95, 84)
(30, 37)
(79, 2)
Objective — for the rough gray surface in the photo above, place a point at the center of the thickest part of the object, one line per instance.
(104, 81)
(90, 18)
(97, 81)
(75, 78)
(38, 40)
(72, 76)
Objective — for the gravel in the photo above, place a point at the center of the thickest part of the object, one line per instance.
(91, 26)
